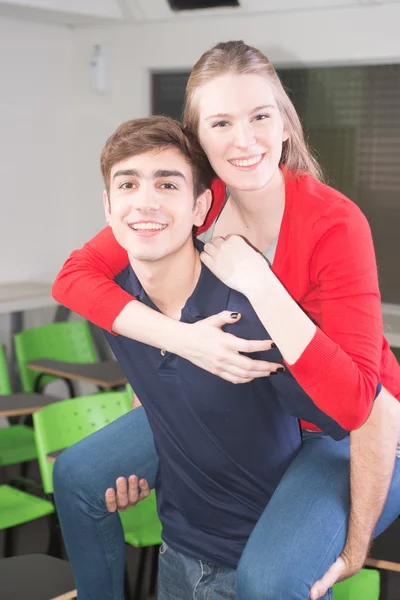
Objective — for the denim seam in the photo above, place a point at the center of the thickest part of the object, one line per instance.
(98, 525)
(198, 583)
(327, 550)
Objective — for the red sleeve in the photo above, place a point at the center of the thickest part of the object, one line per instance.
(85, 283)
(340, 368)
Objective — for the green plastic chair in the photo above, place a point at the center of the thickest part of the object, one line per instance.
(363, 586)
(16, 508)
(68, 341)
(17, 442)
(62, 424)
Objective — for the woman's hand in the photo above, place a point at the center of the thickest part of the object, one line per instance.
(219, 353)
(235, 262)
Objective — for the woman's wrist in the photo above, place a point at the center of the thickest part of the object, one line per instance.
(260, 287)
(176, 337)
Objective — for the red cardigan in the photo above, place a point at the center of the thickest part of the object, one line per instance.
(324, 258)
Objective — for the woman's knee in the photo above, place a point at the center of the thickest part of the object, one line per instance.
(259, 578)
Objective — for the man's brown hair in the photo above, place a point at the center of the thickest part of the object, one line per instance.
(139, 136)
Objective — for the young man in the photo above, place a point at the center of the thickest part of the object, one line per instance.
(222, 449)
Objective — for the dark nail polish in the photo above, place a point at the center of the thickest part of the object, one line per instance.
(280, 369)
(234, 315)
(273, 373)
(273, 345)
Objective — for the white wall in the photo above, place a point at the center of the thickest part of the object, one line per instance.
(35, 148)
(35, 153)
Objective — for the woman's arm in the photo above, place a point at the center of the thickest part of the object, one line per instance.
(337, 361)
(85, 283)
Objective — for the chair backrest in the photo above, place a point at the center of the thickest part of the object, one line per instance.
(62, 424)
(5, 384)
(66, 341)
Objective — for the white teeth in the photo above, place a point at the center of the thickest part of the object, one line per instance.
(247, 162)
(148, 226)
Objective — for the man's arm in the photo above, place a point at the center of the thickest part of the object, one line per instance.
(372, 455)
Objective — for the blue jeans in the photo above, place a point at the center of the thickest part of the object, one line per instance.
(181, 577)
(298, 536)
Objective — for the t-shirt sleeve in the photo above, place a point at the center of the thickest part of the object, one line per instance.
(85, 283)
(340, 368)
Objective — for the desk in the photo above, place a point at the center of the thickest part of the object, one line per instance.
(107, 374)
(37, 577)
(16, 405)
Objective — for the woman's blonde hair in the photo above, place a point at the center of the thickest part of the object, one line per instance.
(240, 59)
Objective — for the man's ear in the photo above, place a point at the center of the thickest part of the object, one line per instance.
(202, 206)
(107, 207)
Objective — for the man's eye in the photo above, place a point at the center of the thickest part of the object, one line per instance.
(127, 185)
(220, 124)
(168, 186)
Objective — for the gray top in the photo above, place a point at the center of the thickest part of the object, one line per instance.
(269, 253)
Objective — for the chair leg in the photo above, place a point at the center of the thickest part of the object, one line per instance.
(55, 537)
(8, 543)
(138, 589)
(154, 570)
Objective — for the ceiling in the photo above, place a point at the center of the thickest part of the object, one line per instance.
(87, 12)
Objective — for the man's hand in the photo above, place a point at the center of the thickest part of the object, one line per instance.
(341, 569)
(126, 494)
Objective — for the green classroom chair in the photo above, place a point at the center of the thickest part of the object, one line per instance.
(68, 341)
(18, 507)
(64, 423)
(17, 442)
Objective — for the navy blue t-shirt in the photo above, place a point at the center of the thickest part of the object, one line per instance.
(223, 448)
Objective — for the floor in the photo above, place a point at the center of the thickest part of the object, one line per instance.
(33, 537)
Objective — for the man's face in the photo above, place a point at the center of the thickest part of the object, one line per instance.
(151, 206)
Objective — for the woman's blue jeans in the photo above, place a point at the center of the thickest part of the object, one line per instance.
(300, 534)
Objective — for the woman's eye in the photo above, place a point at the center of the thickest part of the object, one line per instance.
(168, 186)
(220, 124)
(261, 117)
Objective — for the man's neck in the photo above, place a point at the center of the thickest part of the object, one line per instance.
(171, 281)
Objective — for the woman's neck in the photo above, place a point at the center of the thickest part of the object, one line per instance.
(256, 214)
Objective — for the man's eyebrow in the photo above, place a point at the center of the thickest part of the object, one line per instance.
(167, 173)
(127, 173)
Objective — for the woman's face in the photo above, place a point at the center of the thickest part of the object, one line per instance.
(241, 130)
